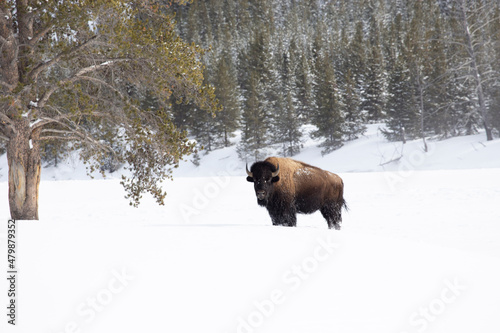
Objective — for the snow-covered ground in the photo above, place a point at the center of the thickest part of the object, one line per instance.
(419, 249)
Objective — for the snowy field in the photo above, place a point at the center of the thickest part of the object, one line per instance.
(419, 249)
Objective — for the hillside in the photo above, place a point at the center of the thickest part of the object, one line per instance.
(370, 152)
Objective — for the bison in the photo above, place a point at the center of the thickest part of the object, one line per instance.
(287, 187)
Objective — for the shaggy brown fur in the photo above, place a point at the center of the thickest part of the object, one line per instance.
(298, 188)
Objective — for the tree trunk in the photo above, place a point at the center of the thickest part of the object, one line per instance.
(475, 72)
(420, 87)
(23, 156)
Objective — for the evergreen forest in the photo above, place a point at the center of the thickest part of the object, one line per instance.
(426, 68)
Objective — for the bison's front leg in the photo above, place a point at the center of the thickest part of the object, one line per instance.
(286, 218)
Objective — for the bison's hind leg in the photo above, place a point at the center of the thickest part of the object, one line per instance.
(332, 212)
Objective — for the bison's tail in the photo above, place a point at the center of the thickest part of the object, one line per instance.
(343, 203)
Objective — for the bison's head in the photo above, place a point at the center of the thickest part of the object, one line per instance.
(263, 175)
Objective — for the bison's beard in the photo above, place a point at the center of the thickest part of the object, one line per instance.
(262, 202)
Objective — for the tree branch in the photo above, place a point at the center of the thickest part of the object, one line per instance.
(56, 137)
(9, 87)
(50, 130)
(104, 83)
(74, 135)
(3, 137)
(41, 67)
(45, 121)
(40, 35)
(4, 119)
(76, 77)
(6, 126)
(41, 122)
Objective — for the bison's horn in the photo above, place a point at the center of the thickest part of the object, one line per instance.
(248, 172)
(275, 173)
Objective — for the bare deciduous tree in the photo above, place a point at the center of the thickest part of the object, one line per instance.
(473, 17)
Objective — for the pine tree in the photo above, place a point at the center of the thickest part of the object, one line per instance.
(357, 58)
(303, 86)
(292, 135)
(374, 87)
(286, 124)
(327, 117)
(438, 119)
(417, 52)
(254, 121)
(402, 115)
(228, 95)
(181, 112)
(261, 96)
(53, 152)
(354, 120)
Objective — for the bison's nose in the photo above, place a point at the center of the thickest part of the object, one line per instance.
(261, 194)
